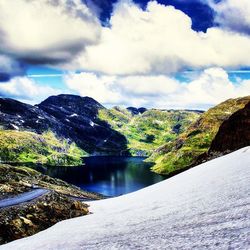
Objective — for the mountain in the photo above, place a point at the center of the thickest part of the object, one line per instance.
(205, 207)
(193, 143)
(145, 130)
(234, 133)
(176, 138)
(80, 122)
(93, 128)
(136, 111)
(20, 116)
(69, 117)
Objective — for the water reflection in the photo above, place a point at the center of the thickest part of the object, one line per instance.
(110, 176)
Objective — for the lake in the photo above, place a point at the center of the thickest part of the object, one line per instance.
(110, 176)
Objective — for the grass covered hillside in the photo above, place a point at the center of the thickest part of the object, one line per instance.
(147, 131)
(196, 140)
(24, 146)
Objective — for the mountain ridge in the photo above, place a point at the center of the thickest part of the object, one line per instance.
(79, 120)
(174, 139)
(75, 120)
(189, 148)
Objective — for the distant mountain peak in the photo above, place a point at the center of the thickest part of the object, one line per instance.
(65, 99)
(136, 111)
(68, 116)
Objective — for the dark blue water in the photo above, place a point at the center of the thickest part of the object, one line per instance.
(111, 176)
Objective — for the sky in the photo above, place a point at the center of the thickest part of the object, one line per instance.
(190, 54)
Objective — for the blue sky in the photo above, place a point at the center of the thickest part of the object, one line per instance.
(200, 12)
(46, 76)
(165, 53)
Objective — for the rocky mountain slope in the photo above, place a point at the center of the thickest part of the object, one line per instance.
(79, 117)
(145, 130)
(205, 207)
(234, 133)
(80, 125)
(197, 139)
(86, 126)
(30, 147)
(70, 117)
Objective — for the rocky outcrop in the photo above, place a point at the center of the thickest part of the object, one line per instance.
(79, 116)
(234, 133)
(16, 180)
(70, 117)
(30, 218)
(136, 111)
(16, 115)
(62, 201)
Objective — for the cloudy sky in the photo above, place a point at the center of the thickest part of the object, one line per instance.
(163, 54)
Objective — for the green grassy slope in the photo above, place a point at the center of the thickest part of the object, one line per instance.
(147, 131)
(24, 146)
(196, 140)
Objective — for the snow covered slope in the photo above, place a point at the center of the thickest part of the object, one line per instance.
(206, 207)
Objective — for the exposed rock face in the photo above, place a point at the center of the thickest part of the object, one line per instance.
(16, 180)
(192, 146)
(234, 133)
(136, 111)
(71, 117)
(30, 218)
(19, 116)
(79, 116)
(95, 129)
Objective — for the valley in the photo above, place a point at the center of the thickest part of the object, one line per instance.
(85, 124)
(64, 129)
(145, 131)
(128, 147)
(124, 124)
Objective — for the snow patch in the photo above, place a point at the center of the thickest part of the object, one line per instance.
(14, 126)
(74, 115)
(91, 123)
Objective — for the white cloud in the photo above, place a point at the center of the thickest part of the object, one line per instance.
(160, 40)
(233, 14)
(26, 90)
(209, 88)
(101, 88)
(121, 90)
(147, 85)
(46, 31)
(132, 59)
(9, 67)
